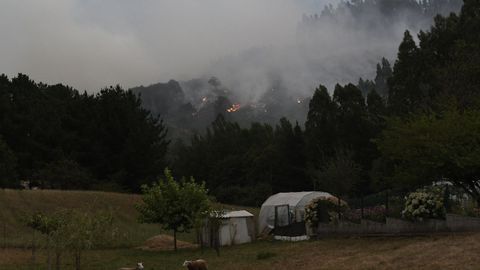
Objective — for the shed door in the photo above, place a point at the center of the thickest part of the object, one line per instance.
(240, 231)
(282, 215)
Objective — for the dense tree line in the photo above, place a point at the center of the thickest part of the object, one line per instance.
(57, 137)
(414, 123)
(380, 14)
(244, 165)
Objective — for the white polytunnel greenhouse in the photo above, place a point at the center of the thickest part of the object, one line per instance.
(283, 209)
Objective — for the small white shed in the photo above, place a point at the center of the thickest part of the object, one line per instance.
(236, 227)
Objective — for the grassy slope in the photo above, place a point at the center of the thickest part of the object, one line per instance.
(15, 204)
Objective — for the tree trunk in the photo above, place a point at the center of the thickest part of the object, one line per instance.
(175, 239)
(77, 260)
(33, 250)
(199, 239)
(58, 255)
(49, 261)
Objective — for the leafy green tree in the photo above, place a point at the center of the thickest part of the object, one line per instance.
(340, 174)
(433, 147)
(86, 230)
(51, 226)
(177, 206)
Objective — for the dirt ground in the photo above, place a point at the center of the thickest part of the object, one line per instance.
(164, 242)
(451, 251)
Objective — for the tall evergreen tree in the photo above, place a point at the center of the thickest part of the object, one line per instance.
(404, 92)
(384, 73)
(321, 126)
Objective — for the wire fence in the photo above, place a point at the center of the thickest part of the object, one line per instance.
(390, 203)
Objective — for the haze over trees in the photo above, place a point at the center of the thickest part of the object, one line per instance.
(413, 122)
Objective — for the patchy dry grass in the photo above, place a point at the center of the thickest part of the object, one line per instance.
(15, 204)
(454, 251)
(450, 251)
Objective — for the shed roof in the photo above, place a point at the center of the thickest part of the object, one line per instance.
(236, 214)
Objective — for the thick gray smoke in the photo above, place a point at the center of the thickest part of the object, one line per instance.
(90, 44)
(250, 45)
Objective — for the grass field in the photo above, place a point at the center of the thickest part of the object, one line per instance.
(459, 251)
(16, 204)
(449, 251)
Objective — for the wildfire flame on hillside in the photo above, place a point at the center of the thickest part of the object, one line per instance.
(234, 108)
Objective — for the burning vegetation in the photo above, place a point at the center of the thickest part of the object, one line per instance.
(234, 108)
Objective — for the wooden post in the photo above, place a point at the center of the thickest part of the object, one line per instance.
(338, 210)
(276, 218)
(446, 198)
(289, 215)
(4, 235)
(386, 204)
(361, 205)
(175, 239)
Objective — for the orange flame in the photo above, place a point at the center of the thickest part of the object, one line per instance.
(234, 108)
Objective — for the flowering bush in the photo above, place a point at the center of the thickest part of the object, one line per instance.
(323, 210)
(375, 213)
(424, 203)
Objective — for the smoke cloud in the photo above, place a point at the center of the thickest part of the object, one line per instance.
(250, 45)
(90, 44)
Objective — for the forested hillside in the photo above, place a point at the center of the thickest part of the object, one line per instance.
(414, 122)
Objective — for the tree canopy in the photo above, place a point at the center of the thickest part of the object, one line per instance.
(177, 206)
(50, 130)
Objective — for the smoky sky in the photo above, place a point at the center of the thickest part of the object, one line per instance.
(89, 44)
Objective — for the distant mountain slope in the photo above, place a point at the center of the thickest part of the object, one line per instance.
(338, 44)
(191, 106)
